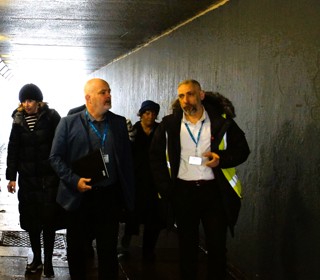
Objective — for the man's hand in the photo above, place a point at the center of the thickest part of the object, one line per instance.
(11, 186)
(132, 132)
(82, 185)
(214, 159)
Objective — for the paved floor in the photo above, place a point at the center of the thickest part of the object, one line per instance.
(13, 260)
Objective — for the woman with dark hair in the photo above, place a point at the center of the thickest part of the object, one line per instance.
(146, 210)
(28, 152)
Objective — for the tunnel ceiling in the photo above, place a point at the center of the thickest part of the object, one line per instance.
(79, 35)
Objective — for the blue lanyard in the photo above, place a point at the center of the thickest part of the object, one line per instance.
(191, 135)
(95, 130)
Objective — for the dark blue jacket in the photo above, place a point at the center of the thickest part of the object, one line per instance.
(71, 142)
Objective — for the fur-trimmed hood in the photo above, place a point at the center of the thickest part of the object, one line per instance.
(219, 103)
(18, 114)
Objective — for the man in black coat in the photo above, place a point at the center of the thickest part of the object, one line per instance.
(76, 109)
(94, 207)
(193, 155)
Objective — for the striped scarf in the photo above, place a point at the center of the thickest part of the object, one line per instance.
(31, 121)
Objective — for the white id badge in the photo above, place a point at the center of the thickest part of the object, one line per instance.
(195, 160)
(106, 158)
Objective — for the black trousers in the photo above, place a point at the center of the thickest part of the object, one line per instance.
(195, 202)
(146, 213)
(98, 214)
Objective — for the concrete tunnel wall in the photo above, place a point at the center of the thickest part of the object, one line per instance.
(265, 57)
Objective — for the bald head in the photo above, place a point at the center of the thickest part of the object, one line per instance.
(93, 85)
(98, 98)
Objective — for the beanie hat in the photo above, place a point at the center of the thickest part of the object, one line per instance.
(149, 105)
(30, 91)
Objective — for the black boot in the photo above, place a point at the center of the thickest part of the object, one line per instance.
(48, 242)
(35, 242)
(48, 271)
(34, 266)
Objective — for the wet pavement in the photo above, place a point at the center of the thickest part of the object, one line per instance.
(13, 259)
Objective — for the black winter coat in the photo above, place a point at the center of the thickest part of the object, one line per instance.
(145, 187)
(146, 195)
(28, 153)
(167, 136)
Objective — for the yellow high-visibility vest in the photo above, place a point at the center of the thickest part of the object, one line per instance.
(230, 173)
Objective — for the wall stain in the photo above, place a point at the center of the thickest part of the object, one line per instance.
(315, 108)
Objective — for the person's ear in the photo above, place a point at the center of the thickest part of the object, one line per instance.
(202, 94)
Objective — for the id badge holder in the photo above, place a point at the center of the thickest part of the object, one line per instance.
(195, 160)
(106, 158)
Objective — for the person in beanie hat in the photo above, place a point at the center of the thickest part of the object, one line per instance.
(28, 152)
(146, 204)
(30, 92)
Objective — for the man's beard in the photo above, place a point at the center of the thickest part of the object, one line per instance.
(190, 110)
(109, 105)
